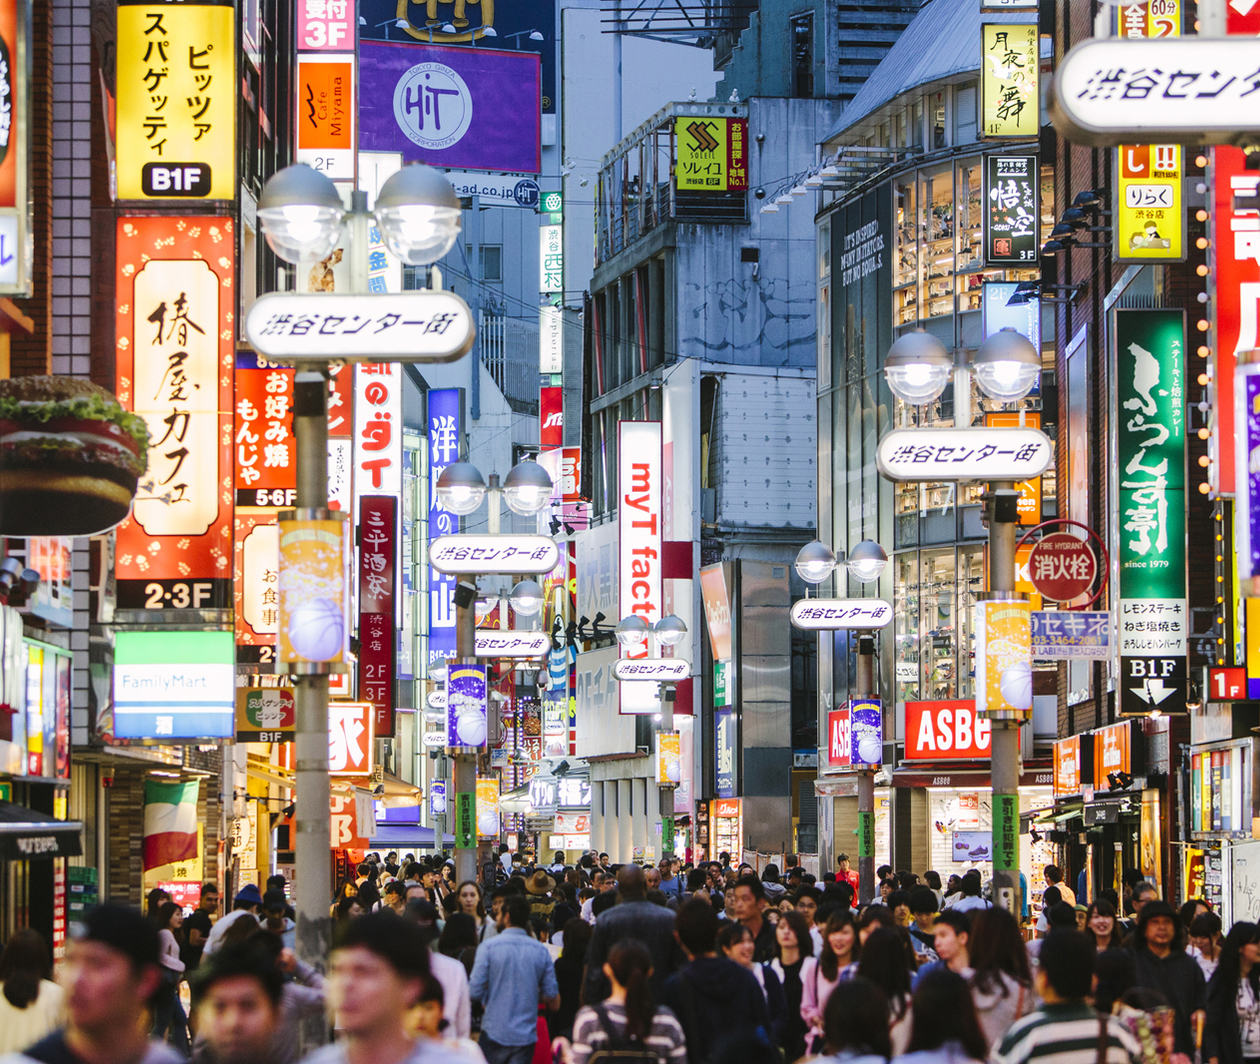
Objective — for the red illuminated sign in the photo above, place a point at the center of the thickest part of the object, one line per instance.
(1227, 685)
(946, 731)
(550, 417)
(376, 607)
(839, 741)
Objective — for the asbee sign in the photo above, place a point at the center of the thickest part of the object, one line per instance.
(946, 731)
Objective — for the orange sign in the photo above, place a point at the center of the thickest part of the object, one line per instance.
(1023, 574)
(1112, 752)
(262, 437)
(345, 827)
(325, 113)
(726, 807)
(1067, 766)
(1029, 506)
(174, 354)
(1003, 657)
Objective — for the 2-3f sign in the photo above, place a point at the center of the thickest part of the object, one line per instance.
(182, 180)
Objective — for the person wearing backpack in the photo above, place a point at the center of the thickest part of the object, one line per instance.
(627, 1027)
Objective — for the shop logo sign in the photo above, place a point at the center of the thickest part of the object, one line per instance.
(433, 105)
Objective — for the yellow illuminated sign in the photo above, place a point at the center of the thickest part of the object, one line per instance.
(176, 101)
(1009, 80)
(712, 154)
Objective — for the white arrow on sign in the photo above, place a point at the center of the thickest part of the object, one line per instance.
(662, 670)
(466, 553)
(511, 644)
(429, 325)
(1153, 692)
(434, 738)
(834, 614)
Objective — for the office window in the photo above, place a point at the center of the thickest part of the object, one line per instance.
(803, 55)
(491, 262)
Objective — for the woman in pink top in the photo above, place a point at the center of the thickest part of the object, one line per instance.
(837, 961)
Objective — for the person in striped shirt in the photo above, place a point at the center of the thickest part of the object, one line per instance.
(1066, 1029)
(627, 1020)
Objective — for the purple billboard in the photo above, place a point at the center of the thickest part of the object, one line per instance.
(466, 705)
(457, 108)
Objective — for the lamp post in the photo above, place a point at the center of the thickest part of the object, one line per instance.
(303, 218)
(866, 562)
(461, 489)
(632, 632)
(1006, 367)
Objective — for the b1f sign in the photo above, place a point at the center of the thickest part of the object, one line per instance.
(639, 554)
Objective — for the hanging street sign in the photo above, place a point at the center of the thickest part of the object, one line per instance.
(661, 670)
(422, 326)
(435, 699)
(1195, 90)
(509, 644)
(1150, 403)
(964, 454)
(834, 614)
(465, 553)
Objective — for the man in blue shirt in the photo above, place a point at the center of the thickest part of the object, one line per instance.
(511, 974)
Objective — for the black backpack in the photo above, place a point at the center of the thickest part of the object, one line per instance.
(620, 1049)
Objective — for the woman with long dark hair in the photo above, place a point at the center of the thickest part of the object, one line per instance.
(946, 1029)
(170, 1021)
(468, 896)
(569, 967)
(459, 939)
(794, 965)
(1232, 1032)
(1002, 984)
(31, 1003)
(888, 962)
(628, 1018)
(837, 961)
(855, 1025)
(1102, 926)
(736, 943)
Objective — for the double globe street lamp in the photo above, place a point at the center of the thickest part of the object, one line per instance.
(866, 562)
(1006, 367)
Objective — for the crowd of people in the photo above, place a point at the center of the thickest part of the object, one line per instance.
(590, 962)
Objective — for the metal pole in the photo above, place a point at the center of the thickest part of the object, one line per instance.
(465, 781)
(865, 688)
(1004, 754)
(313, 817)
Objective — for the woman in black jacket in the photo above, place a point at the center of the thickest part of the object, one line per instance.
(1232, 1030)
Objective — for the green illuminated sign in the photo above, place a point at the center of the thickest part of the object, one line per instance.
(465, 821)
(551, 202)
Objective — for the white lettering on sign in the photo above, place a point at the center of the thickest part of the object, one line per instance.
(863, 253)
(941, 731)
(639, 525)
(33, 847)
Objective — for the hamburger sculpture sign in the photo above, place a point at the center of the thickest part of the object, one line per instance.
(70, 457)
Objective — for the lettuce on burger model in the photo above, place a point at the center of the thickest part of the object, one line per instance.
(70, 457)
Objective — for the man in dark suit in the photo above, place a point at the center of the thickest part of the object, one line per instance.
(632, 917)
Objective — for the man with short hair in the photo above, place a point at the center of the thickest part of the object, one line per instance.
(395, 897)
(845, 874)
(198, 924)
(671, 884)
(633, 917)
(923, 909)
(511, 974)
(718, 1002)
(652, 877)
(1161, 963)
(950, 932)
(748, 906)
(1054, 878)
(110, 974)
(237, 997)
(376, 973)
(1066, 1029)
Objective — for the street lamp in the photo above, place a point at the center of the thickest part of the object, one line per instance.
(461, 488)
(866, 562)
(303, 220)
(1006, 367)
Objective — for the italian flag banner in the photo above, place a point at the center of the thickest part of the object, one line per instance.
(170, 822)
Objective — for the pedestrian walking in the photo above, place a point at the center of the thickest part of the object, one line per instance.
(30, 1002)
(513, 972)
(110, 975)
(628, 1022)
(748, 905)
(198, 924)
(1162, 964)
(376, 974)
(855, 1025)
(428, 1022)
(245, 906)
(924, 905)
(793, 966)
(735, 942)
(569, 967)
(971, 899)
(632, 917)
(1102, 925)
(1066, 1030)
(718, 1003)
(1204, 932)
(1114, 974)
(945, 1029)
(888, 962)
(838, 961)
(170, 1022)
(1232, 1029)
(1001, 980)
(449, 971)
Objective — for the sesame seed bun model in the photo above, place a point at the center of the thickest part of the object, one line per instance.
(70, 457)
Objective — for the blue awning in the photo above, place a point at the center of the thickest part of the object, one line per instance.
(396, 836)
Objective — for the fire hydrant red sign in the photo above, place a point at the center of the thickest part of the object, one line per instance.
(1062, 567)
